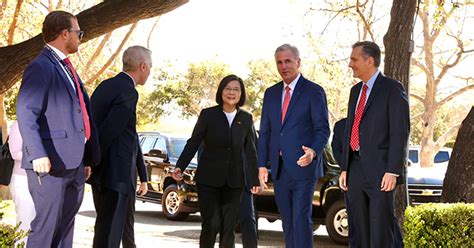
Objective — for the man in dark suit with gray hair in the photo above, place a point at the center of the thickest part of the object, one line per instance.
(114, 184)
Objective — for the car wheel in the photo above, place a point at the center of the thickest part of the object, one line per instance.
(337, 223)
(172, 204)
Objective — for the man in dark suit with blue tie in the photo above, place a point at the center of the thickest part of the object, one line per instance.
(294, 130)
(374, 150)
(59, 137)
(114, 104)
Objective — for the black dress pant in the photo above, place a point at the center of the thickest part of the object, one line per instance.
(219, 208)
(371, 211)
(115, 219)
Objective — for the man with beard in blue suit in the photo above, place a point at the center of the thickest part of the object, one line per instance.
(59, 137)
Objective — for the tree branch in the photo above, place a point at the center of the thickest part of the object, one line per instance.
(11, 30)
(455, 94)
(111, 59)
(151, 32)
(447, 135)
(95, 21)
(447, 67)
(417, 97)
(98, 50)
(59, 5)
(364, 21)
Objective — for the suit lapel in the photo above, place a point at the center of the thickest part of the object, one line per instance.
(352, 104)
(278, 103)
(294, 99)
(373, 92)
(61, 72)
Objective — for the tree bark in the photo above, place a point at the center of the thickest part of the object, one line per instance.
(398, 50)
(96, 21)
(458, 185)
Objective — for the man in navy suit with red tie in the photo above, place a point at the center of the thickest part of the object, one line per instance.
(294, 130)
(60, 142)
(374, 150)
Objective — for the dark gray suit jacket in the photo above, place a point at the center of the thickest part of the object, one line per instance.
(383, 130)
(114, 104)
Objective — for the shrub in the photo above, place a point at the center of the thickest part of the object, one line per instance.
(439, 225)
(10, 235)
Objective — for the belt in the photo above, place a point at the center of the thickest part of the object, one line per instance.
(355, 153)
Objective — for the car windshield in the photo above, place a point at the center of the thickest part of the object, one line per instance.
(441, 156)
(176, 147)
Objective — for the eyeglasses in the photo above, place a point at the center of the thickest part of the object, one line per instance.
(79, 33)
(229, 89)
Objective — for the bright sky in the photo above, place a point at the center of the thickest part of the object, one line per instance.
(230, 31)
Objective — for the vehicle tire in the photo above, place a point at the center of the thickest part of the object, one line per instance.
(337, 223)
(172, 205)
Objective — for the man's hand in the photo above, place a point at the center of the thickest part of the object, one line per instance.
(389, 181)
(41, 165)
(307, 158)
(263, 177)
(88, 171)
(142, 189)
(176, 174)
(256, 189)
(343, 180)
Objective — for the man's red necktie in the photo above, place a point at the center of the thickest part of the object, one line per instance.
(85, 115)
(286, 102)
(358, 116)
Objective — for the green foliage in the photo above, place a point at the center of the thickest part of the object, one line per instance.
(262, 75)
(189, 92)
(10, 101)
(10, 235)
(439, 225)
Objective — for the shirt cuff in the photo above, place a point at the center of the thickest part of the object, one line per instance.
(395, 175)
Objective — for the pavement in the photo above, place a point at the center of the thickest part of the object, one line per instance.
(152, 229)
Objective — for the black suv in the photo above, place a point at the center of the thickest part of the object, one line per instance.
(179, 199)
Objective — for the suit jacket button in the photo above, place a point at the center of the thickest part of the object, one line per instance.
(78, 110)
(81, 130)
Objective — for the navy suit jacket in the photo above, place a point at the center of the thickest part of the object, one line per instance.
(50, 119)
(383, 129)
(306, 123)
(114, 104)
(338, 139)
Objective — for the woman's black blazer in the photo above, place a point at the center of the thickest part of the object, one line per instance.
(224, 149)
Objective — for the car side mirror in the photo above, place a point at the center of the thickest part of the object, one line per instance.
(157, 153)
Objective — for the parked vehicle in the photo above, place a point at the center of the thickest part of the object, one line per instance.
(179, 199)
(426, 184)
(441, 158)
(160, 153)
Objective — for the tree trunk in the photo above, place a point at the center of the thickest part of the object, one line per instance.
(398, 50)
(458, 185)
(96, 21)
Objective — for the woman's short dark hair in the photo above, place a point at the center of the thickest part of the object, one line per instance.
(224, 82)
(54, 23)
(369, 49)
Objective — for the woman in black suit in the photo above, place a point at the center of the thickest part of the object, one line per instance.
(228, 158)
